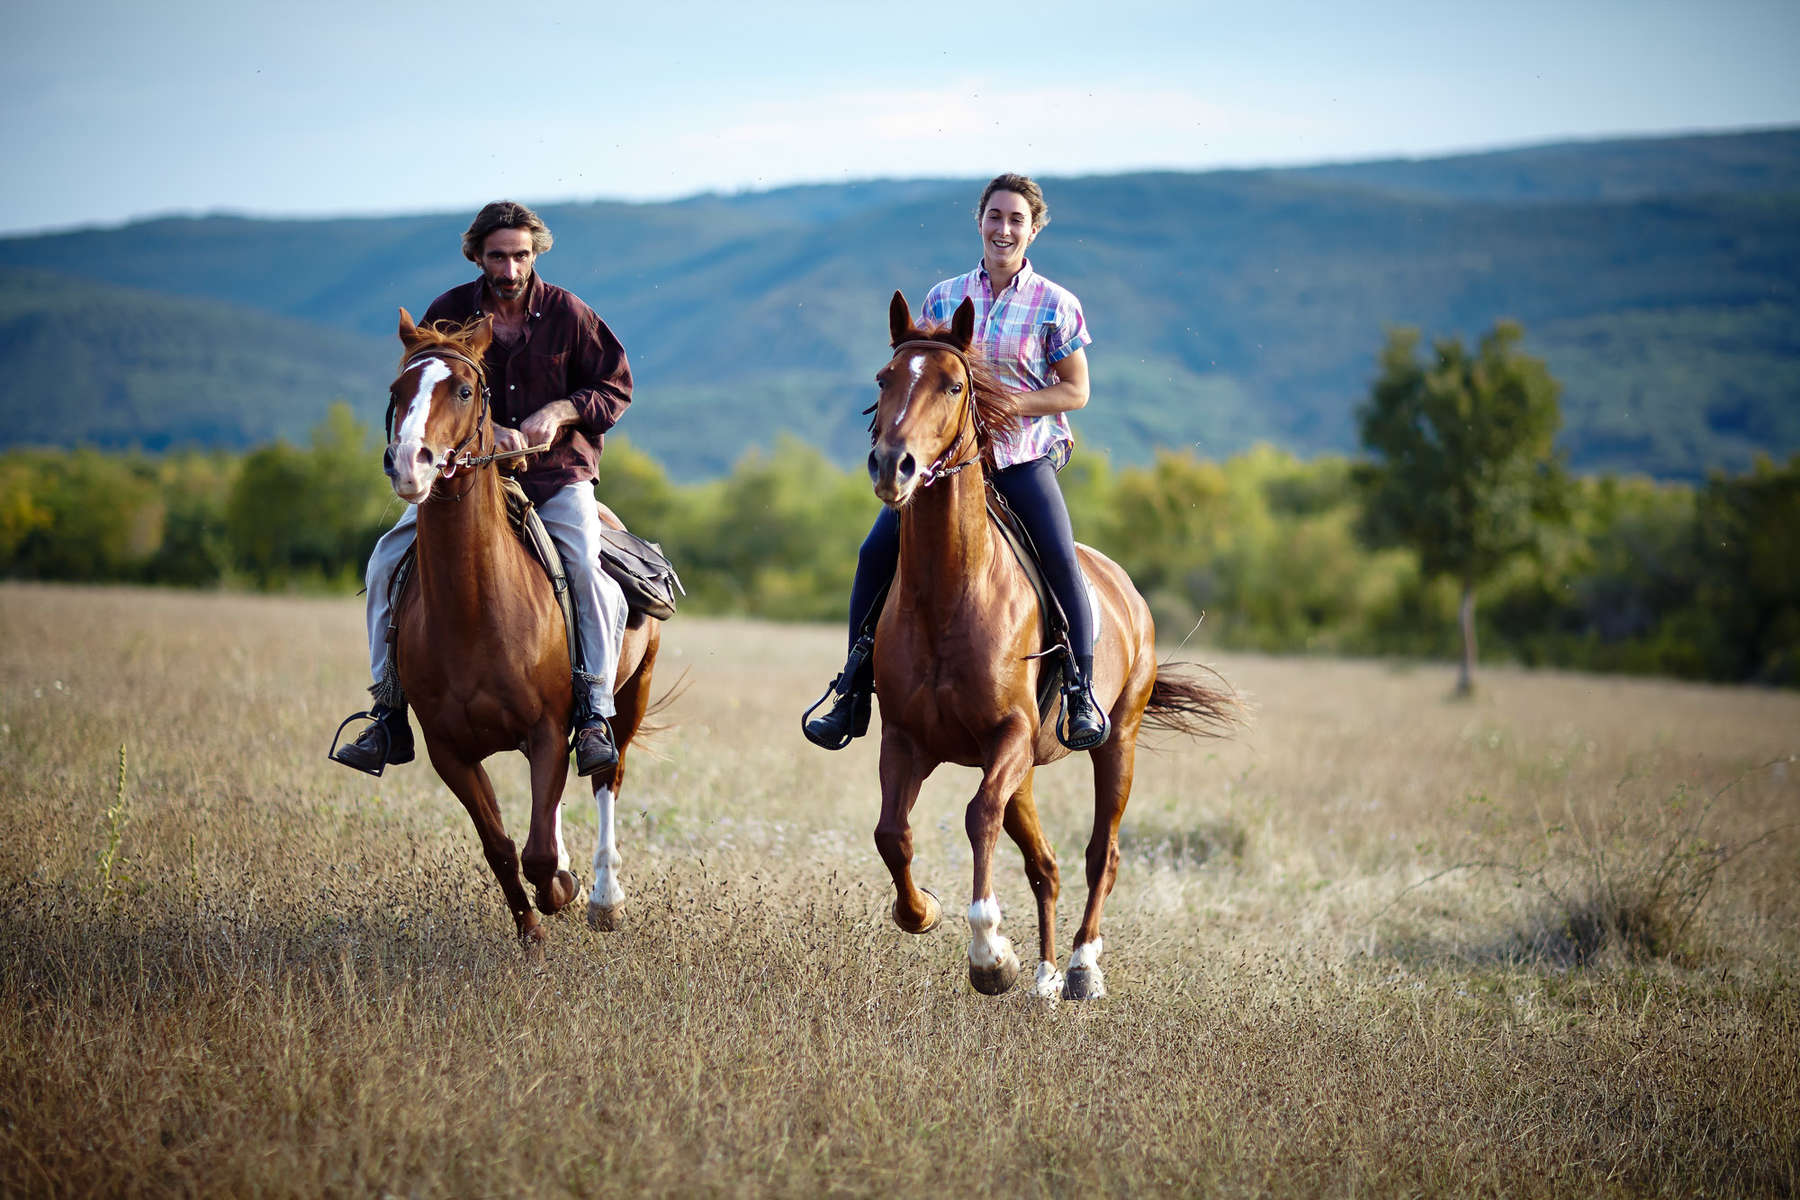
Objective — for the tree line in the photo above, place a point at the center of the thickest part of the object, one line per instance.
(1262, 551)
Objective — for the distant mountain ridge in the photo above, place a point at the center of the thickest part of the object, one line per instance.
(1660, 279)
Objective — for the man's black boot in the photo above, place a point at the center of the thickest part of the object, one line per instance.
(594, 749)
(1083, 725)
(387, 741)
(851, 696)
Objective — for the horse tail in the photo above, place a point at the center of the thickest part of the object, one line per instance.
(648, 727)
(1182, 702)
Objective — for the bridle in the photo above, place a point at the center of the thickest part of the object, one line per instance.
(969, 424)
(455, 459)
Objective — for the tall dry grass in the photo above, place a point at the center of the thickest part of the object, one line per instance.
(1541, 943)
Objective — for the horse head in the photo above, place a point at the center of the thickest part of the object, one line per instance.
(437, 405)
(926, 415)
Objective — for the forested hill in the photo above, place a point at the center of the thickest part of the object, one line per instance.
(1660, 278)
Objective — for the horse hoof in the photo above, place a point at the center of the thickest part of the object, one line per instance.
(1084, 983)
(555, 896)
(1047, 984)
(934, 914)
(603, 918)
(998, 979)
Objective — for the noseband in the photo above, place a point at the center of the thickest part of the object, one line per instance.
(938, 470)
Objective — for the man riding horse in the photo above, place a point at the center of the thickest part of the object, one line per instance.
(558, 377)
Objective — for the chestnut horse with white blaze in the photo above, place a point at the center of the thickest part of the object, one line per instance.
(955, 666)
(481, 648)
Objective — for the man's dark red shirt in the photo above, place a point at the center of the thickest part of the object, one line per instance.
(566, 353)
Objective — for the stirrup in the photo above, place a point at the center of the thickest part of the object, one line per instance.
(1063, 722)
(844, 686)
(387, 742)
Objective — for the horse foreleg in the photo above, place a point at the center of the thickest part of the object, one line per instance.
(902, 775)
(1113, 766)
(471, 784)
(993, 963)
(1040, 868)
(546, 859)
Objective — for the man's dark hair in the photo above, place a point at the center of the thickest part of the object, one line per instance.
(504, 214)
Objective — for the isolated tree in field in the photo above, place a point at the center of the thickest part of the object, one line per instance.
(1463, 471)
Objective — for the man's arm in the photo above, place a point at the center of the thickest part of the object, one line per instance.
(601, 379)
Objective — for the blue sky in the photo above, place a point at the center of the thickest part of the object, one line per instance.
(118, 111)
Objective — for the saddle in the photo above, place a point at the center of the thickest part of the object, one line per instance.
(1053, 623)
(639, 567)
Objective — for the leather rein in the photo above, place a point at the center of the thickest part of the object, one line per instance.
(972, 426)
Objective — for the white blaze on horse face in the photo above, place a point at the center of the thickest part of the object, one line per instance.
(432, 372)
(414, 464)
(987, 947)
(917, 369)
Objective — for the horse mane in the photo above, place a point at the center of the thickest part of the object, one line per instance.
(445, 335)
(995, 407)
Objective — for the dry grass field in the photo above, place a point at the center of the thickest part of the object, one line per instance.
(1541, 943)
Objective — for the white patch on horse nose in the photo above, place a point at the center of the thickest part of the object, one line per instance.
(431, 372)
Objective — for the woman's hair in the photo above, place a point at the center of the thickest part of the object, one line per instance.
(504, 214)
(1025, 186)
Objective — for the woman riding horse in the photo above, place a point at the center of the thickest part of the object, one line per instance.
(1032, 333)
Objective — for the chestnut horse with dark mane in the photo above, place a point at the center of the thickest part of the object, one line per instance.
(481, 650)
(955, 670)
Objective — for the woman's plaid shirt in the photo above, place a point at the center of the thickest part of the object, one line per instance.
(1031, 325)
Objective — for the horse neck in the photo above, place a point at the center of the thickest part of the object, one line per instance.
(463, 545)
(946, 544)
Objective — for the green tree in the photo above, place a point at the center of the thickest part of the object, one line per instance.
(1464, 471)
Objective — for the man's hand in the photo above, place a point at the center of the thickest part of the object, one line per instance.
(506, 439)
(547, 422)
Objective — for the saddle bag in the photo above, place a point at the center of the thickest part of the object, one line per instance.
(642, 571)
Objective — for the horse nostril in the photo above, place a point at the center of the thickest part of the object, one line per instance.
(422, 457)
(906, 468)
(874, 465)
(387, 461)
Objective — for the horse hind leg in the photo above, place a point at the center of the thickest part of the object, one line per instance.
(606, 898)
(1040, 869)
(1113, 766)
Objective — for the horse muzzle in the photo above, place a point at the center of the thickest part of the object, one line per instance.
(894, 472)
(411, 467)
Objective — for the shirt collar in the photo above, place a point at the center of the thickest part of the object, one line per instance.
(1023, 275)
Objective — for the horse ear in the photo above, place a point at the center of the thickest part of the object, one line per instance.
(481, 336)
(408, 331)
(962, 325)
(900, 326)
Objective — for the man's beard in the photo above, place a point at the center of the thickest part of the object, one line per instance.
(509, 291)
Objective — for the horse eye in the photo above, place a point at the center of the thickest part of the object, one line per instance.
(956, 389)
(466, 393)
